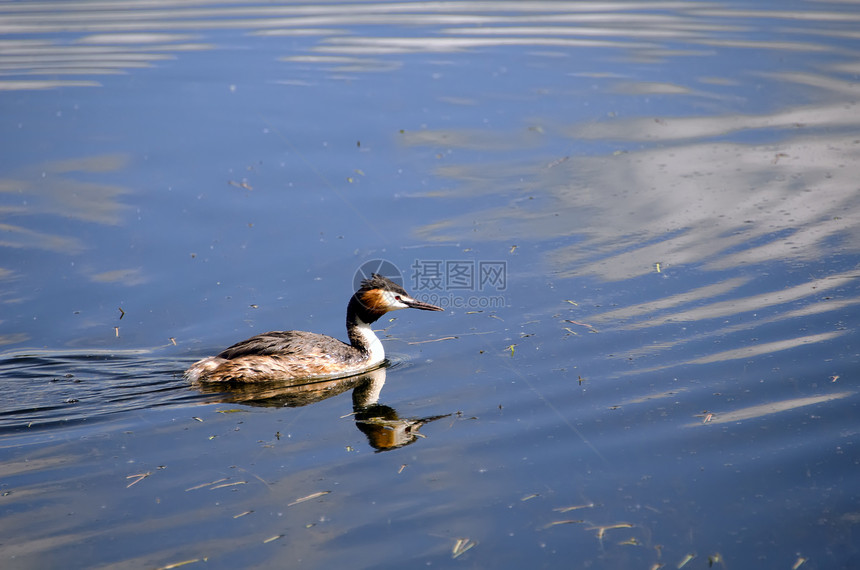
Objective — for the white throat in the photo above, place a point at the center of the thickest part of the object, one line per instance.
(374, 345)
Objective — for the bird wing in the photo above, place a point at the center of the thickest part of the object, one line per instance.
(283, 343)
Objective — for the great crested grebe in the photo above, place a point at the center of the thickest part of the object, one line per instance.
(294, 355)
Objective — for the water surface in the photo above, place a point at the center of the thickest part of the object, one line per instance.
(663, 377)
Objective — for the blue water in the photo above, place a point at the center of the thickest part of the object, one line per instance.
(663, 377)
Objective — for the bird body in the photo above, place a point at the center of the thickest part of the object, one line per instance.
(292, 355)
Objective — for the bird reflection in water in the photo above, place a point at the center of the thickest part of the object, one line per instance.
(381, 424)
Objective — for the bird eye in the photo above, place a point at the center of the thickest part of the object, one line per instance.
(397, 297)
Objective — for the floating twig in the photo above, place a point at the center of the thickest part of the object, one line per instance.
(573, 508)
(581, 324)
(433, 340)
(139, 477)
(309, 497)
(221, 486)
(206, 484)
(558, 161)
(462, 546)
(556, 523)
(178, 564)
(601, 530)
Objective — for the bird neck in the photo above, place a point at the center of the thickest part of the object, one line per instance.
(361, 335)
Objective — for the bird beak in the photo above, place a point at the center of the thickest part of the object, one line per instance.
(413, 304)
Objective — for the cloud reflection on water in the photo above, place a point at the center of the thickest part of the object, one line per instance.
(709, 194)
(761, 410)
(712, 207)
(122, 36)
(690, 198)
(716, 204)
(52, 189)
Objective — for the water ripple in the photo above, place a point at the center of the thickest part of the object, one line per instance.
(49, 45)
(44, 389)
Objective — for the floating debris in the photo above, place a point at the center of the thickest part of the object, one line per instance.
(309, 497)
(433, 340)
(556, 523)
(558, 161)
(243, 184)
(242, 514)
(601, 530)
(121, 313)
(273, 538)
(529, 497)
(137, 478)
(183, 563)
(685, 560)
(221, 486)
(800, 561)
(402, 467)
(573, 508)
(581, 324)
(462, 546)
(200, 486)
